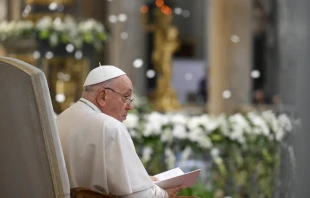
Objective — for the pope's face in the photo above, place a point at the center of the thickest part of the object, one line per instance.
(118, 99)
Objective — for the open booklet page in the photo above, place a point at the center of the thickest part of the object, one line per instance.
(169, 174)
(176, 177)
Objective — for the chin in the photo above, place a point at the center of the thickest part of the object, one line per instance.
(122, 119)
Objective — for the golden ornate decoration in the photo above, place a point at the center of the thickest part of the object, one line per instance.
(28, 58)
(165, 44)
(37, 16)
(65, 76)
(47, 2)
(64, 73)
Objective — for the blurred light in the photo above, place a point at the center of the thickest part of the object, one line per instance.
(255, 74)
(166, 10)
(122, 17)
(78, 54)
(66, 77)
(159, 3)
(144, 9)
(124, 35)
(215, 152)
(49, 55)
(178, 11)
(60, 75)
(113, 18)
(36, 55)
(70, 48)
(188, 76)
(57, 21)
(150, 73)
(138, 63)
(60, 98)
(235, 39)
(53, 6)
(26, 11)
(110, 0)
(63, 77)
(186, 13)
(226, 94)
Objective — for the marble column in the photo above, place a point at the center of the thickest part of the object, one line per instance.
(126, 44)
(229, 54)
(14, 9)
(294, 34)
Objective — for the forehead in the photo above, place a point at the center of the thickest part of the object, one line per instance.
(124, 83)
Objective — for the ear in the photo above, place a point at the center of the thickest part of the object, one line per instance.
(100, 98)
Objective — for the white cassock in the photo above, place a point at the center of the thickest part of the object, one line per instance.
(100, 154)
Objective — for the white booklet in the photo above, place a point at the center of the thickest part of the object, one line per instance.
(176, 177)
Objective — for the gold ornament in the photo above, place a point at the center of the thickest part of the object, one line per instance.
(165, 44)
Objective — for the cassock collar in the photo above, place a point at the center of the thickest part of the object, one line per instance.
(90, 104)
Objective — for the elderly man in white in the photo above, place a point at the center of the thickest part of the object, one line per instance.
(98, 149)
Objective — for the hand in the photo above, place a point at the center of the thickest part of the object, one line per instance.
(172, 192)
(153, 178)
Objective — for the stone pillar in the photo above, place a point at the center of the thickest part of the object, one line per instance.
(294, 34)
(229, 54)
(14, 9)
(3, 10)
(127, 40)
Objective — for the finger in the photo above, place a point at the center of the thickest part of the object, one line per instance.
(178, 188)
(155, 178)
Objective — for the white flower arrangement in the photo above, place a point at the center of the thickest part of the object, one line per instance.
(57, 31)
(236, 127)
(234, 143)
(15, 28)
(207, 131)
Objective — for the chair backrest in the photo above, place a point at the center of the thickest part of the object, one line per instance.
(31, 158)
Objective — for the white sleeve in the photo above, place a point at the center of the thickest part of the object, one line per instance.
(152, 192)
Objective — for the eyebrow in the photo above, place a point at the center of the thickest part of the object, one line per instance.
(128, 90)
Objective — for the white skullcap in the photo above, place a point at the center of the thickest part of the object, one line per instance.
(102, 73)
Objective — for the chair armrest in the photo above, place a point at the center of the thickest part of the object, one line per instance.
(81, 192)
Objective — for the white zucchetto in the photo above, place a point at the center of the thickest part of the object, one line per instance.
(102, 73)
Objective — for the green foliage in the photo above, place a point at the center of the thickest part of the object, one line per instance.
(57, 32)
(243, 150)
(199, 190)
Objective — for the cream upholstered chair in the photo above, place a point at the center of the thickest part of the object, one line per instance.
(31, 158)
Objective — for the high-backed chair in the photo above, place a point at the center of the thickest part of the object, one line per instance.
(31, 159)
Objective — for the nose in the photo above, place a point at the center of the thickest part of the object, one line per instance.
(130, 106)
